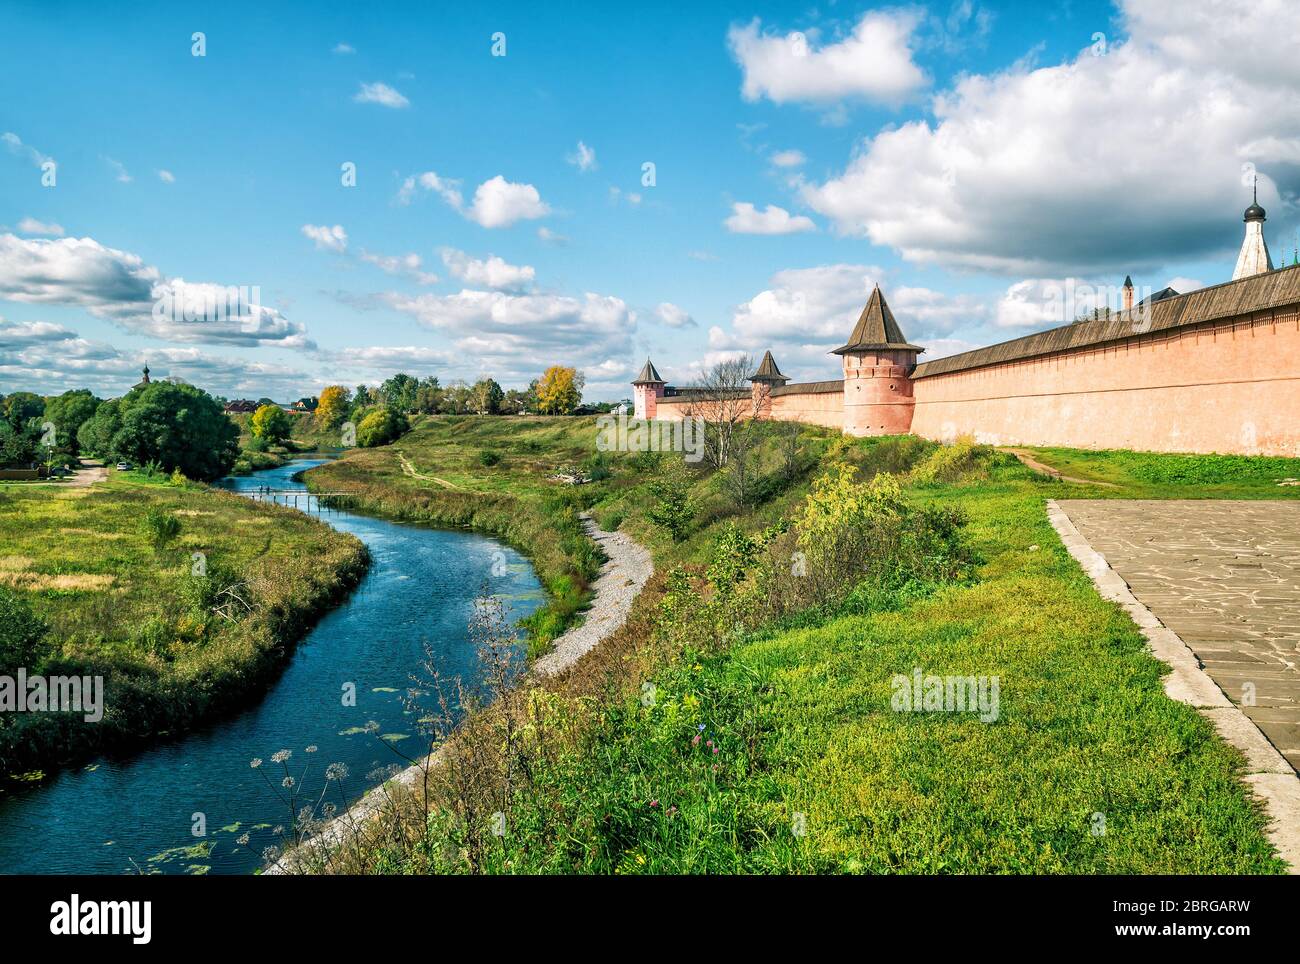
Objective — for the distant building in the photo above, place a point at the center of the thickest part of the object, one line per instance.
(240, 406)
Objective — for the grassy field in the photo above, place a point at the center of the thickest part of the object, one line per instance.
(119, 604)
(769, 744)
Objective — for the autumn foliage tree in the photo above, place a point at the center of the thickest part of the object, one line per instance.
(270, 422)
(559, 391)
(335, 401)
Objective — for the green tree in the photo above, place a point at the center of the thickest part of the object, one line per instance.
(19, 446)
(399, 392)
(176, 426)
(271, 422)
(673, 508)
(486, 396)
(429, 396)
(21, 407)
(69, 412)
(380, 427)
(95, 437)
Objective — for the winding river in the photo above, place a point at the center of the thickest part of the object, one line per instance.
(117, 814)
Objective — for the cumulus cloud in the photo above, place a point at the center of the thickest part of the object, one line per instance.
(44, 357)
(119, 287)
(584, 158)
(497, 203)
(490, 272)
(674, 316)
(874, 62)
(745, 219)
(1122, 159)
(167, 177)
(408, 265)
(791, 158)
(327, 238)
(33, 226)
(382, 94)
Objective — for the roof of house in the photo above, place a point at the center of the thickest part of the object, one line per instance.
(1261, 292)
(767, 370)
(649, 375)
(876, 328)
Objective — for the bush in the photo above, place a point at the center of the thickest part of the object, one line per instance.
(22, 634)
(489, 458)
(161, 526)
(381, 426)
(673, 508)
(948, 463)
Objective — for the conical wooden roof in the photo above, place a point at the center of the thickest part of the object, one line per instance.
(649, 375)
(876, 328)
(767, 370)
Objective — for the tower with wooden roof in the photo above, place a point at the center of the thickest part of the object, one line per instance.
(766, 377)
(878, 363)
(647, 389)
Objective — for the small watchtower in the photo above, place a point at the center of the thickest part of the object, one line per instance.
(647, 389)
(766, 377)
(878, 363)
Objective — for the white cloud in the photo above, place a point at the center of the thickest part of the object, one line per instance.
(499, 203)
(120, 173)
(1115, 163)
(745, 219)
(408, 265)
(791, 158)
(343, 48)
(674, 316)
(32, 226)
(16, 146)
(618, 194)
(874, 62)
(382, 94)
(490, 272)
(548, 236)
(327, 238)
(167, 177)
(584, 158)
(120, 287)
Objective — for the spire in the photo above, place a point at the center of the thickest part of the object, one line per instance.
(1254, 257)
(145, 380)
(767, 371)
(649, 375)
(876, 328)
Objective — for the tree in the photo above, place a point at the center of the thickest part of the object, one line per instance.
(380, 427)
(455, 400)
(721, 399)
(69, 412)
(673, 508)
(177, 426)
(21, 407)
(429, 396)
(19, 446)
(559, 391)
(271, 422)
(333, 406)
(399, 391)
(515, 402)
(22, 635)
(486, 396)
(95, 436)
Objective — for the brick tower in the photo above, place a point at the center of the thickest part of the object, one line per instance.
(878, 365)
(647, 389)
(765, 378)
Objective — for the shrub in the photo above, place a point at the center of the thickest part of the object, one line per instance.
(381, 426)
(673, 508)
(949, 463)
(22, 634)
(161, 526)
(489, 458)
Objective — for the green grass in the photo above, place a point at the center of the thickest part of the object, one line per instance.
(816, 773)
(117, 605)
(1158, 475)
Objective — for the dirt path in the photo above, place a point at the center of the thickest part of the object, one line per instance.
(409, 469)
(627, 568)
(89, 473)
(1028, 459)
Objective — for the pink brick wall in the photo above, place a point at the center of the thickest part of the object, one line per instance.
(1226, 387)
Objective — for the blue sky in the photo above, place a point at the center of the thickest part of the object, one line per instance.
(974, 159)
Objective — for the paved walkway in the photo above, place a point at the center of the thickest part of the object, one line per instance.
(1224, 576)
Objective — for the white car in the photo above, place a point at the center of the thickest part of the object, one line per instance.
(124, 466)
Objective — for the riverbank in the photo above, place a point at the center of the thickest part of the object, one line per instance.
(185, 599)
(745, 718)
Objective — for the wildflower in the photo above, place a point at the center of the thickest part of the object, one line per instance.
(671, 810)
(336, 771)
(328, 810)
(287, 782)
(255, 762)
(715, 749)
(277, 829)
(270, 854)
(279, 756)
(372, 726)
(700, 727)
(311, 749)
(695, 740)
(242, 840)
(654, 803)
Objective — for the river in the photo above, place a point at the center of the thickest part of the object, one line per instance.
(139, 810)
